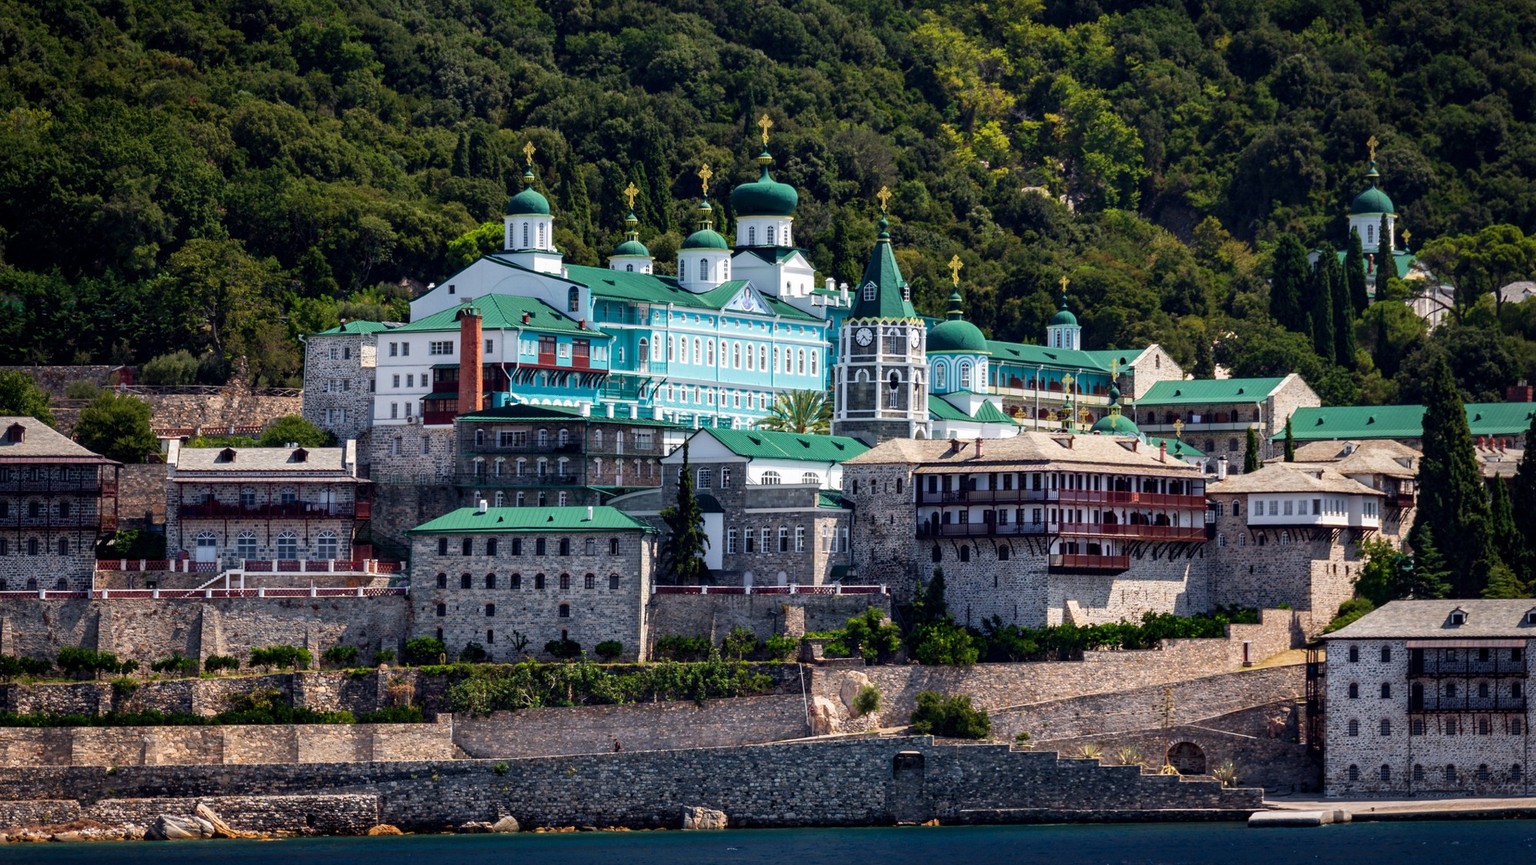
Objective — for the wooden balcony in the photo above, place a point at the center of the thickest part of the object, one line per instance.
(296, 510)
(1084, 563)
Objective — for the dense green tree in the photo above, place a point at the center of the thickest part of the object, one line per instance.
(1430, 577)
(1523, 501)
(1251, 461)
(1354, 273)
(1508, 542)
(1386, 263)
(1343, 315)
(682, 550)
(20, 396)
(1290, 442)
(293, 429)
(1452, 503)
(1318, 302)
(1289, 278)
(117, 427)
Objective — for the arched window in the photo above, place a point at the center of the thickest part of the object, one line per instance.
(752, 235)
(465, 580)
(541, 235)
(479, 437)
(800, 360)
(245, 545)
(287, 546)
(965, 553)
(565, 582)
(442, 581)
(1003, 553)
(770, 478)
(762, 357)
(810, 478)
(770, 235)
(490, 581)
(645, 351)
(682, 269)
(565, 611)
(629, 268)
(1386, 727)
(1385, 773)
(327, 545)
(525, 235)
(709, 353)
(965, 375)
(698, 350)
(543, 438)
(703, 269)
(705, 478)
(573, 299)
(564, 437)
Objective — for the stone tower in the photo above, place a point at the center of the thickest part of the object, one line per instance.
(881, 378)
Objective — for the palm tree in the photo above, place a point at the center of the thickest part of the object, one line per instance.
(799, 411)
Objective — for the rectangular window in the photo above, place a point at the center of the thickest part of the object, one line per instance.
(517, 546)
(590, 581)
(750, 537)
(405, 349)
(730, 541)
(799, 539)
(440, 347)
(394, 349)
(783, 539)
(394, 410)
(410, 380)
(643, 441)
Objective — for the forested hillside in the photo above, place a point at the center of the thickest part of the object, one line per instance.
(224, 175)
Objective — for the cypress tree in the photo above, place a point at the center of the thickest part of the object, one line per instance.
(1354, 273)
(1205, 358)
(682, 555)
(1343, 316)
(1452, 502)
(1251, 452)
(1319, 305)
(1386, 265)
(1290, 442)
(1429, 576)
(1288, 279)
(1523, 502)
(1508, 542)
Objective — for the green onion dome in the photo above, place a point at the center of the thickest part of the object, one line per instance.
(1372, 200)
(528, 202)
(1115, 424)
(957, 334)
(764, 196)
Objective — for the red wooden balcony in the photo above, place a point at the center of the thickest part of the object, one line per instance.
(1089, 563)
(297, 510)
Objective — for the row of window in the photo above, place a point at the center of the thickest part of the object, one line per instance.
(642, 440)
(1450, 726)
(44, 473)
(61, 584)
(37, 510)
(1004, 552)
(705, 478)
(1483, 655)
(1054, 481)
(763, 540)
(698, 395)
(286, 546)
(1449, 689)
(1483, 773)
(34, 547)
(736, 355)
(493, 547)
(341, 352)
(490, 611)
(515, 581)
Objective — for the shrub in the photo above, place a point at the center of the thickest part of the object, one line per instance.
(500, 768)
(135, 544)
(1349, 611)
(952, 717)
(869, 635)
(176, 663)
(217, 663)
(944, 643)
(281, 656)
(392, 715)
(673, 647)
(420, 651)
(739, 643)
(81, 390)
(124, 687)
(608, 650)
(12, 667)
(563, 649)
(474, 653)
(293, 429)
(780, 646)
(1226, 773)
(117, 426)
(341, 656)
(1090, 750)
(78, 661)
(178, 367)
(866, 701)
(384, 656)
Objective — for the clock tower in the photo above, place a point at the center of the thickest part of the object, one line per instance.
(880, 383)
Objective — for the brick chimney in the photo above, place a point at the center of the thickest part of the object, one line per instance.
(471, 389)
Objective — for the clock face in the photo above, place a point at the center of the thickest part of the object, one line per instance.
(914, 336)
(864, 335)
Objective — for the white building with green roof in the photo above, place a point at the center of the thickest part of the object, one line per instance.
(1216, 414)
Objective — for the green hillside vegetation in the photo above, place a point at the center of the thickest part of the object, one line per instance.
(222, 176)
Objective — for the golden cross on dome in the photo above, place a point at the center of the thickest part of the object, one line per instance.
(885, 198)
(630, 192)
(1178, 428)
(1114, 368)
(705, 174)
(1064, 281)
(1406, 235)
(954, 269)
(1371, 145)
(765, 123)
(528, 151)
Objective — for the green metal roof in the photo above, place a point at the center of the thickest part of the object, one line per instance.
(1125, 356)
(957, 334)
(358, 327)
(1177, 447)
(989, 413)
(704, 238)
(1115, 423)
(504, 311)
(529, 202)
(1372, 200)
(1039, 355)
(500, 520)
(528, 412)
(1210, 391)
(764, 196)
(1403, 421)
(941, 409)
(1064, 317)
(790, 446)
(627, 286)
(631, 247)
(831, 499)
(889, 301)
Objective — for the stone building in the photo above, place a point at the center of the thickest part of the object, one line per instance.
(1288, 534)
(1497, 425)
(773, 510)
(1430, 698)
(224, 505)
(339, 367)
(551, 456)
(56, 499)
(514, 579)
(1215, 415)
(1037, 529)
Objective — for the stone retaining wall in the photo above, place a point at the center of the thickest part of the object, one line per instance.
(225, 745)
(647, 727)
(828, 783)
(351, 814)
(714, 616)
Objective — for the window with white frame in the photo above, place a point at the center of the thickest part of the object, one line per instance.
(440, 347)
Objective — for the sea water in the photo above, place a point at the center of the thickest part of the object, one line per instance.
(1453, 842)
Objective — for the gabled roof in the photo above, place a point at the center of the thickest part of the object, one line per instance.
(42, 443)
(507, 520)
(1432, 619)
(890, 300)
(246, 461)
(1028, 451)
(1216, 391)
(940, 408)
(1291, 478)
(504, 312)
(1404, 421)
(623, 285)
(787, 446)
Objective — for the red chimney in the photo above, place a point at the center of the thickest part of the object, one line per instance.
(471, 389)
(978, 447)
(1162, 451)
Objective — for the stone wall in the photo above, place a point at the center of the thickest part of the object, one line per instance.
(1002, 686)
(141, 495)
(338, 382)
(351, 814)
(225, 745)
(828, 783)
(714, 616)
(647, 727)
(234, 405)
(148, 630)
